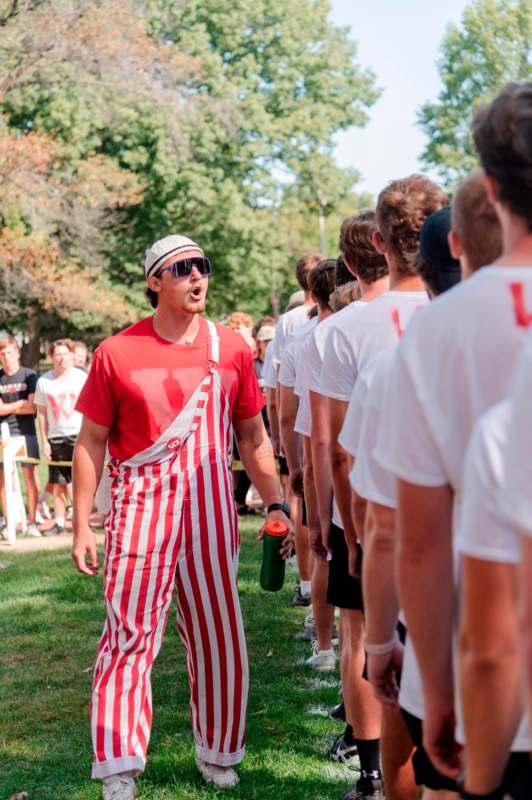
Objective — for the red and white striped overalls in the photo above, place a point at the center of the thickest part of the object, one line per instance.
(173, 525)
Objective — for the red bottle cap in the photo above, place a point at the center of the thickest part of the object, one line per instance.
(276, 528)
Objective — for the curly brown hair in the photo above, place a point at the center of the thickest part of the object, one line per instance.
(502, 133)
(303, 267)
(356, 247)
(402, 208)
(475, 222)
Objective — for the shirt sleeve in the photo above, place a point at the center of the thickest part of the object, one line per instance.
(249, 400)
(287, 372)
(405, 443)
(516, 494)
(338, 372)
(279, 341)
(39, 399)
(97, 400)
(313, 364)
(31, 381)
(349, 435)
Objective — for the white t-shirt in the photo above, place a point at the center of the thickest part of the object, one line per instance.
(361, 425)
(516, 495)
(286, 327)
(291, 353)
(59, 396)
(365, 333)
(455, 361)
(269, 376)
(316, 348)
(483, 532)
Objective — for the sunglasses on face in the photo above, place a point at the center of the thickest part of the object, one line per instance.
(183, 268)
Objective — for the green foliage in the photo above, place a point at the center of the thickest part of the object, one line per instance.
(221, 112)
(492, 46)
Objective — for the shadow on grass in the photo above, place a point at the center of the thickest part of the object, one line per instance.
(50, 623)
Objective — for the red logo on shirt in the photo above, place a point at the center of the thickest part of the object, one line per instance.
(522, 317)
(62, 405)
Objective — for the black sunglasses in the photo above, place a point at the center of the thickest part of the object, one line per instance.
(183, 268)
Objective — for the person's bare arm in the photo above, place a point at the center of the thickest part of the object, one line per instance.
(381, 605)
(257, 456)
(341, 463)
(87, 466)
(525, 611)
(426, 592)
(321, 464)
(489, 670)
(273, 418)
(291, 439)
(311, 502)
(42, 423)
(18, 407)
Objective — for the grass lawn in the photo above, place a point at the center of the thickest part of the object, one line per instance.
(50, 623)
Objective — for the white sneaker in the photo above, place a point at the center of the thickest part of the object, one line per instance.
(119, 787)
(222, 777)
(322, 660)
(32, 530)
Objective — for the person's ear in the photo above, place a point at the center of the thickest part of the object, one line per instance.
(455, 245)
(378, 242)
(154, 283)
(492, 189)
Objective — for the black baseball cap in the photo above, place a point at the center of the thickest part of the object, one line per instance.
(438, 267)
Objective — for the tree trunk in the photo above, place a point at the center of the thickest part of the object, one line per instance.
(31, 350)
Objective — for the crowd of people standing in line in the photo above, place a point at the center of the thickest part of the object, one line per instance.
(397, 400)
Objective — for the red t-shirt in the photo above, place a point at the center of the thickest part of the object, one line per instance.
(138, 383)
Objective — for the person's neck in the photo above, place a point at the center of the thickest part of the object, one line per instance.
(405, 283)
(11, 372)
(60, 373)
(308, 300)
(516, 245)
(369, 291)
(176, 327)
(323, 313)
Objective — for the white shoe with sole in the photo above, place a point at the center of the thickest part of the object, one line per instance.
(221, 777)
(322, 660)
(119, 787)
(33, 530)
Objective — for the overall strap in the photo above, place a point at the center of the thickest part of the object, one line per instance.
(214, 346)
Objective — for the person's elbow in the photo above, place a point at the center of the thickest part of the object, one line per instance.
(483, 657)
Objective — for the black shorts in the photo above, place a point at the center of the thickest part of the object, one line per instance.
(517, 778)
(62, 450)
(283, 465)
(32, 451)
(343, 591)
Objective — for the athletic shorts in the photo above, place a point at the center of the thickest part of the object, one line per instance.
(283, 465)
(62, 450)
(32, 451)
(343, 591)
(424, 770)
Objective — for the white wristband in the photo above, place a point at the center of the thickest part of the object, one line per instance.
(382, 649)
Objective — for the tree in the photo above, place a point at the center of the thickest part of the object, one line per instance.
(214, 109)
(492, 46)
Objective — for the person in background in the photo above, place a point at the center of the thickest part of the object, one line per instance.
(56, 396)
(81, 356)
(17, 408)
(242, 323)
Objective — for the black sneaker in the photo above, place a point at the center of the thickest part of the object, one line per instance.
(338, 712)
(366, 786)
(55, 530)
(344, 753)
(301, 599)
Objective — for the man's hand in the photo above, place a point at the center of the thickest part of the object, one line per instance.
(382, 672)
(296, 482)
(316, 543)
(439, 742)
(288, 542)
(84, 551)
(354, 561)
(47, 448)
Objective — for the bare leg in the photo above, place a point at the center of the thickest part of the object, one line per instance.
(302, 543)
(363, 710)
(396, 755)
(323, 612)
(32, 490)
(59, 492)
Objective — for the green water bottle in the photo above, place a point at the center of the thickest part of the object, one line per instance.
(273, 565)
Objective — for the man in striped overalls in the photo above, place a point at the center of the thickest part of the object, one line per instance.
(163, 396)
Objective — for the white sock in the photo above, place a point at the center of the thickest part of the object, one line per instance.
(130, 773)
(60, 522)
(304, 588)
